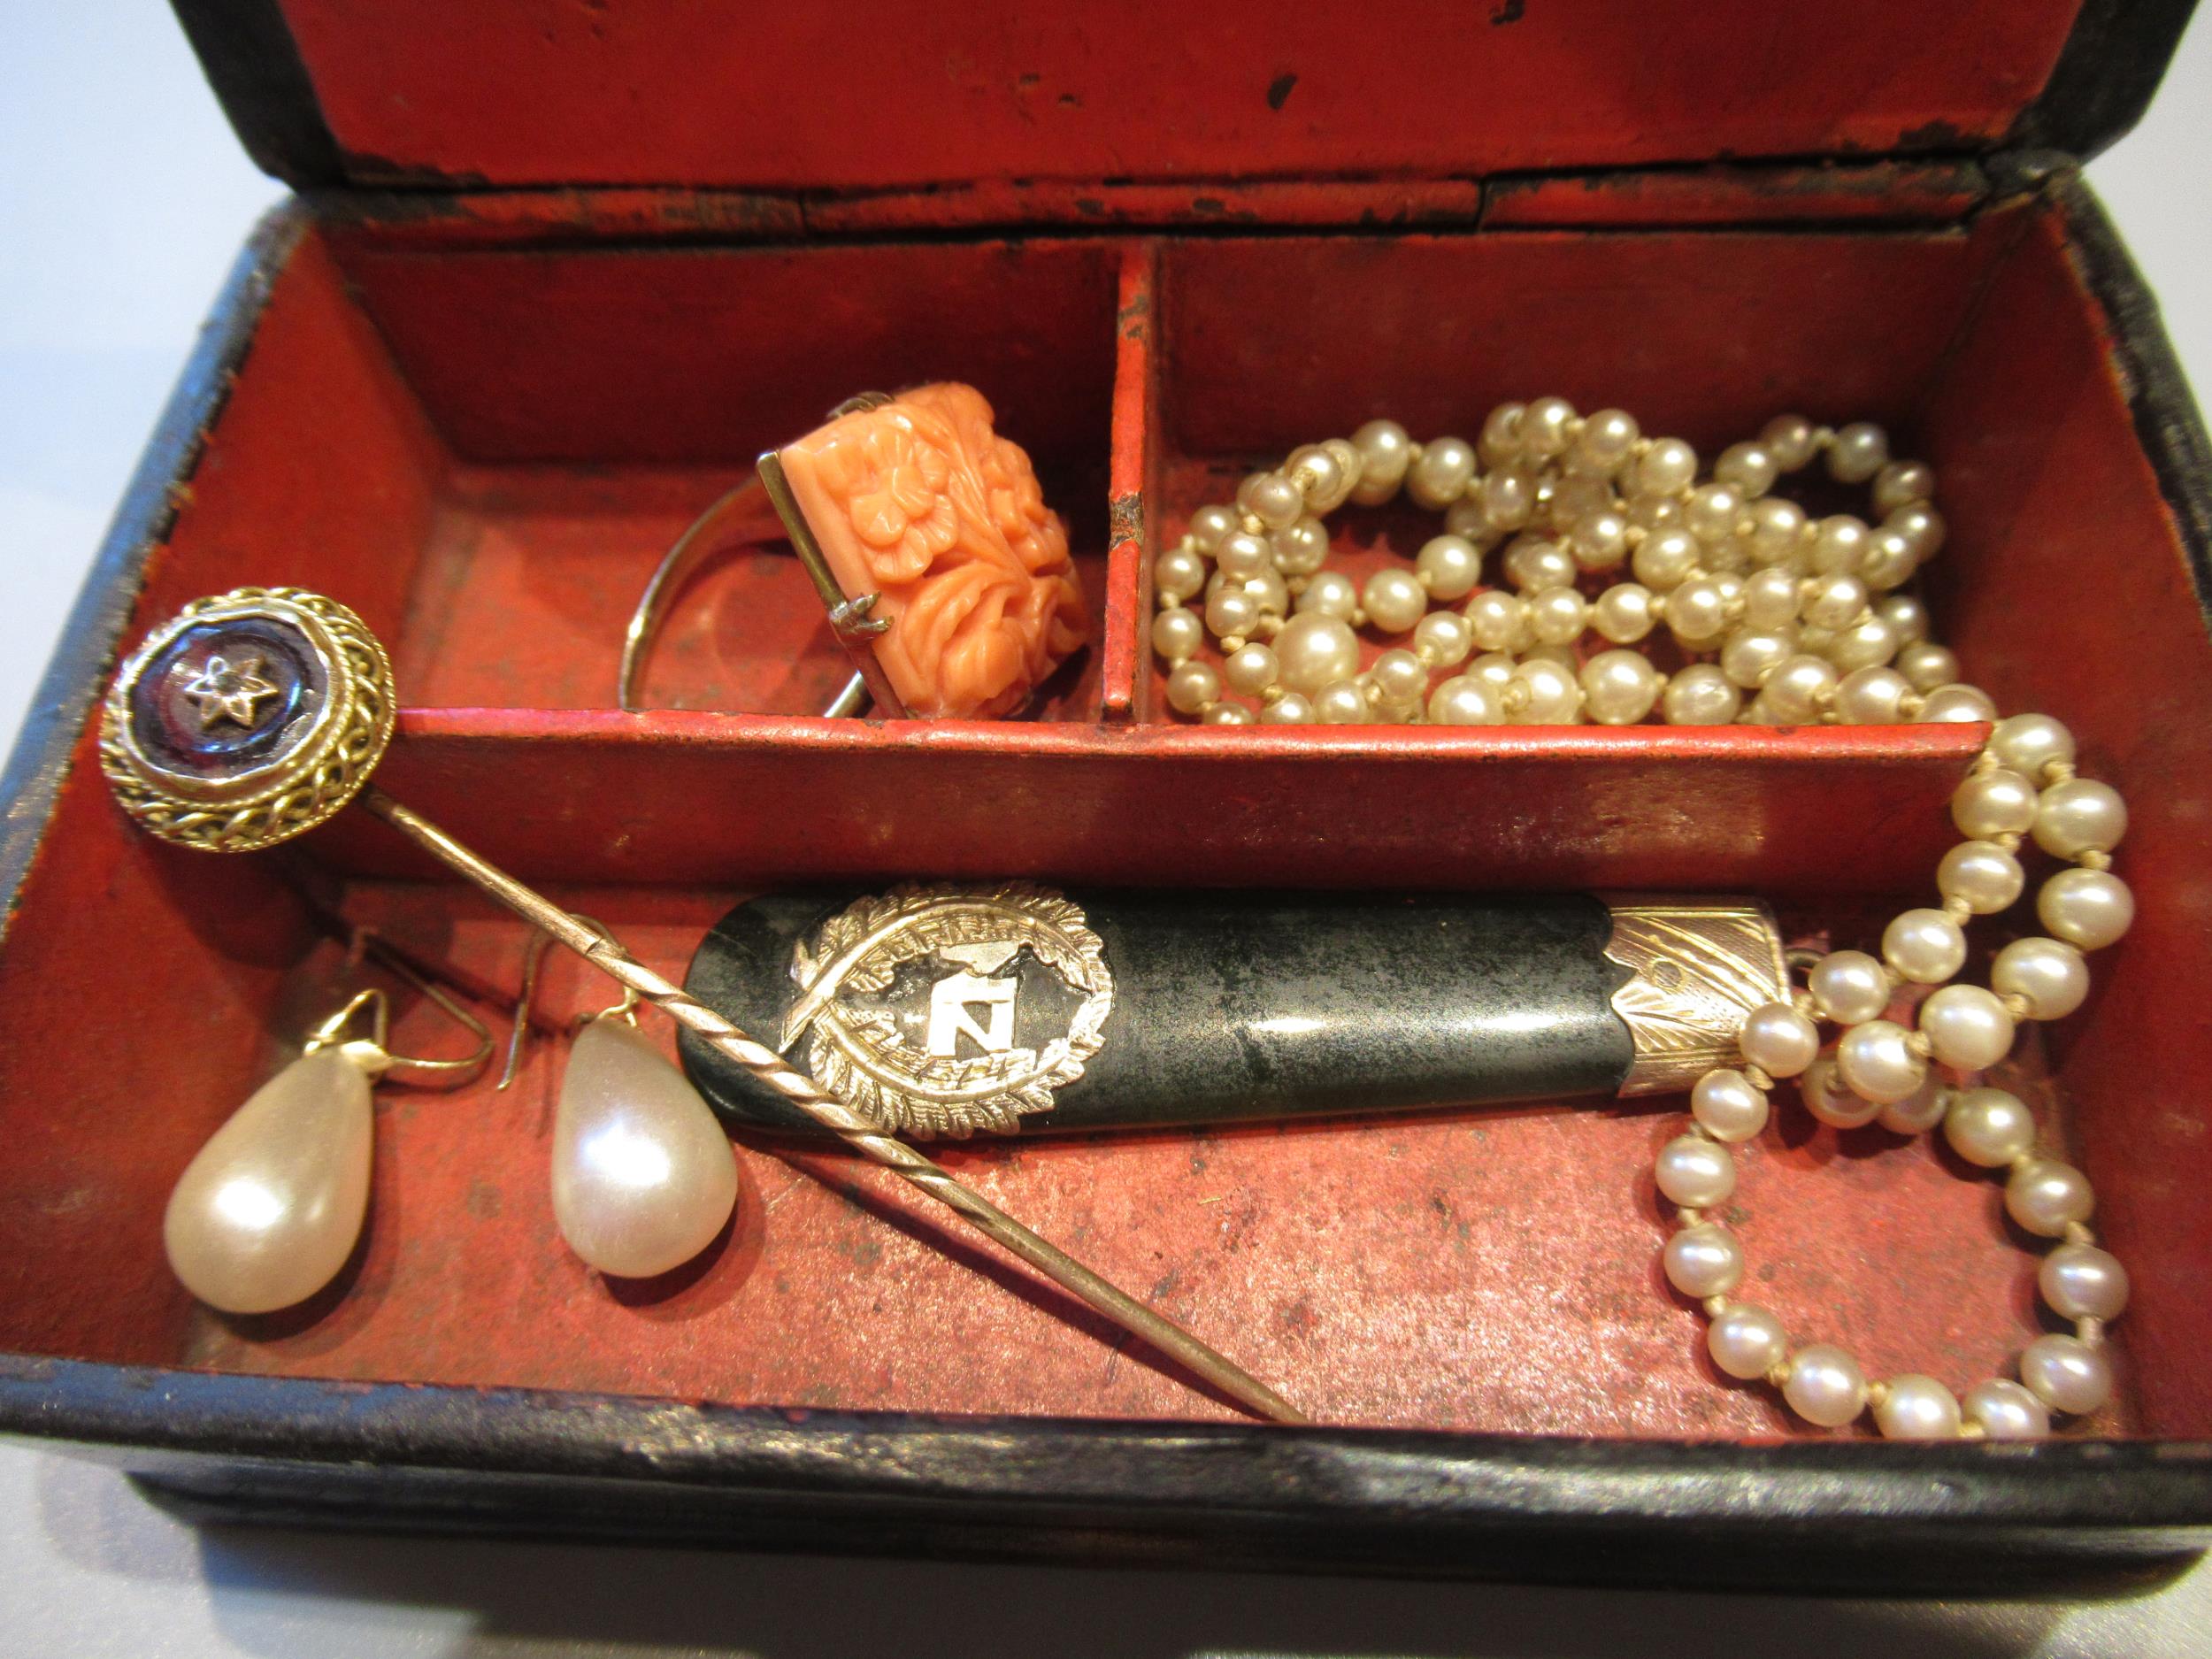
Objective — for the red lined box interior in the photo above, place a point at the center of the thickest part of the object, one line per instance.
(482, 437)
(886, 100)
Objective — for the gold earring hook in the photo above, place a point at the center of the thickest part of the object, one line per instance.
(533, 960)
(371, 1053)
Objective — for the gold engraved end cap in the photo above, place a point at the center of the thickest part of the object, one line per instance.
(1697, 967)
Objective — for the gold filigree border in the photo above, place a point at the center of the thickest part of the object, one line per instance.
(307, 787)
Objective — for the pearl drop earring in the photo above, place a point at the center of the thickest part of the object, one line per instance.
(268, 1211)
(643, 1175)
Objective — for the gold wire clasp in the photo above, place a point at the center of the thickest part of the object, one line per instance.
(533, 961)
(372, 1053)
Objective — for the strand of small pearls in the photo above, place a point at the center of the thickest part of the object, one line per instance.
(1803, 615)
(1885, 1070)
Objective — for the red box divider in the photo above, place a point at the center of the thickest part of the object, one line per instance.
(1124, 645)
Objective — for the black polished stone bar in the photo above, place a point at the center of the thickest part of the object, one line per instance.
(1248, 1005)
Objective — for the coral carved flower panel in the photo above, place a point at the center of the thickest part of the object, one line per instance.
(920, 501)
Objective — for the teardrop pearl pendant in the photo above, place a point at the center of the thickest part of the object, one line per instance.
(643, 1175)
(269, 1210)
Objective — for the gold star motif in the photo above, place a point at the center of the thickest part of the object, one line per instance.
(225, 691)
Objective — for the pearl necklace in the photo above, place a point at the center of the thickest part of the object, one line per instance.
(1804, 615)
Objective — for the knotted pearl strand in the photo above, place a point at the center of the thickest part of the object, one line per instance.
(1803, 615)
(1795, 613)
(2022, 784)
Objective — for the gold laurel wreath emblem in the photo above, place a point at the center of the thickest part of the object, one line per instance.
(330, 766)
(858, 1055)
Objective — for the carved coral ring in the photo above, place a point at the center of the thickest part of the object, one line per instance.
(946, 578)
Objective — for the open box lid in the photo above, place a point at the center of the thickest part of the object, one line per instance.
(874, 96)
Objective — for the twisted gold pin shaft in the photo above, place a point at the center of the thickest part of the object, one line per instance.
(857, 1131)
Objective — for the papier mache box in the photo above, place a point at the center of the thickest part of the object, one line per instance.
(553, 276)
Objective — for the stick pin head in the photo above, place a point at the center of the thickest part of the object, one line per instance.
(247, 719)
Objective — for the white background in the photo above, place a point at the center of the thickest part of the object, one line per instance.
(123, 200)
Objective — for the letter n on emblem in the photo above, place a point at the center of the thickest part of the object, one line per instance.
(949, 1001)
